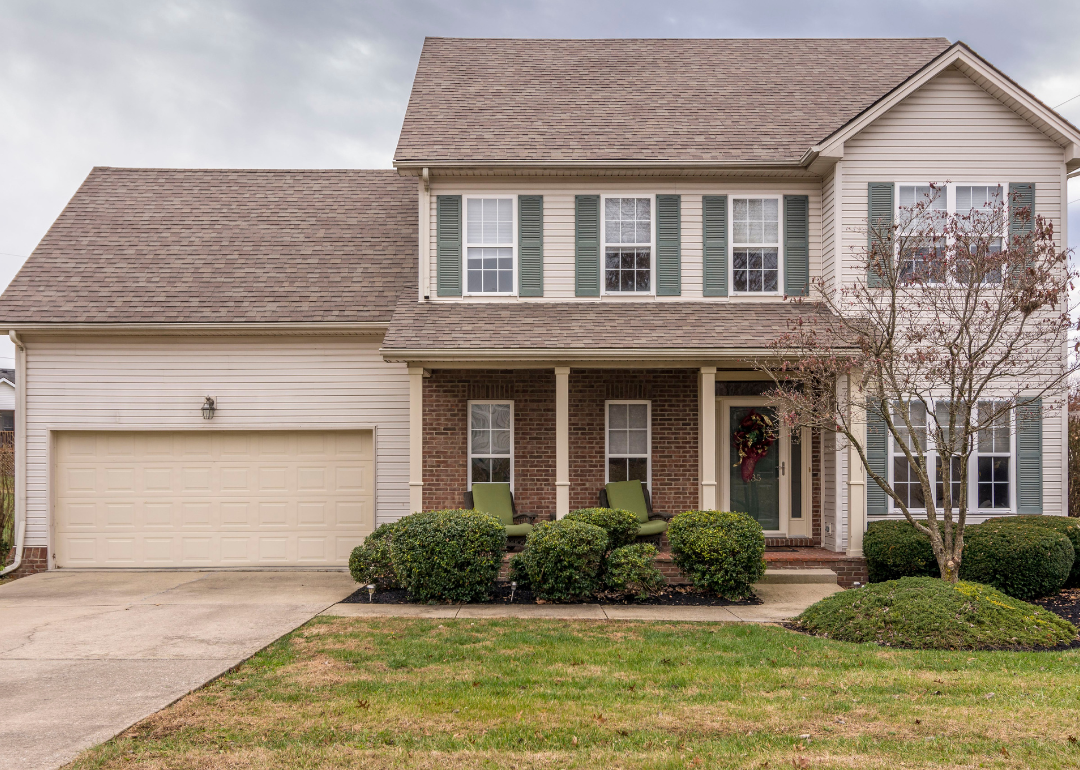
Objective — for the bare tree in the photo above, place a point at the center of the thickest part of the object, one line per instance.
(956, 323)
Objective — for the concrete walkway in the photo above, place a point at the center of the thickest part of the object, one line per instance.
(781, 601)
(85, 655)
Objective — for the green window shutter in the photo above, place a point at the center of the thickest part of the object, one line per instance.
(714, 243)
(448, 245)
(880, 213)
(531, 245)
(1029, 472)
(1021, 196)
(669, 245)
(587, 245)
(877, 457)
(796, 245)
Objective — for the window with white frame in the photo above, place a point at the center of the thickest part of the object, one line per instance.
(994, 447)
(990, 472)
(489, 246)
(977, 201)
(906, 482)
(628, 245)
(628, 441)
(755, 245)
(491, 441)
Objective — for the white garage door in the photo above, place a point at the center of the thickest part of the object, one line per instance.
(212, 498)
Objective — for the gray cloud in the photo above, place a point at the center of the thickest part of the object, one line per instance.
(203, 83)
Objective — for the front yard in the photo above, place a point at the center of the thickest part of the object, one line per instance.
(450, 694)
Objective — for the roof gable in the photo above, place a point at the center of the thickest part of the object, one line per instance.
(695, 101)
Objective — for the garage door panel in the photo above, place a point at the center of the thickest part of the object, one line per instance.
(212, 498)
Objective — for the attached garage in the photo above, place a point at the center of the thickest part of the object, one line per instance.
(211, 498)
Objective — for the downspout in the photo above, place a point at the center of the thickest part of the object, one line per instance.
(20, 450)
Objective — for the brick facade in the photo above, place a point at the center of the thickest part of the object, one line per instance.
(673, 394)
(35, 559)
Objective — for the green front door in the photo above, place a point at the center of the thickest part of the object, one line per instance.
(760, 496)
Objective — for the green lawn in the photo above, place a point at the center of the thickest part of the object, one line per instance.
(449, 694)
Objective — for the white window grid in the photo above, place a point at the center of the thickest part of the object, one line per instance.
(936, 476)
(952, 198)
(608, 449)
(489, 455)
(481, 242)
(606, 241)
(751, 244)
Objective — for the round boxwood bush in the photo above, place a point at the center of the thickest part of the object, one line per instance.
(370, 561)
(632, 571)
(895, 549)
(1063, 524)
(929, 613)
(1023, 561)
(720, 551)
(621, 526)
(450, 555)
(562, 560)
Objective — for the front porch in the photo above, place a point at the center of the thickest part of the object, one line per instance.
(560, 449)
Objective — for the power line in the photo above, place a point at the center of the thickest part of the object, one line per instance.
(9, 254)
(1066, 101)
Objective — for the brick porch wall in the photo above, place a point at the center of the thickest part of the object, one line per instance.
(674, 397)
(35, 559)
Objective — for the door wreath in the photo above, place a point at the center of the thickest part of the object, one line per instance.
(752, 441)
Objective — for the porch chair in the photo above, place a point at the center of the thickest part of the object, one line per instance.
(634, 496)
(497, 499)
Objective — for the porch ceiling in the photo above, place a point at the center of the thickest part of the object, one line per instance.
(588, 330)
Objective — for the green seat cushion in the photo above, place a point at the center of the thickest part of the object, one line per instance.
(494, 498)
(652, 528)
(628, 496)
(518, 530)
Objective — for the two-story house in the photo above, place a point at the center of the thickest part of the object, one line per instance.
(582, 248)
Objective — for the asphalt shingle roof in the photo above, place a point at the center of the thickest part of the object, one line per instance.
(223, 246)
(533, 325)
(697, 100)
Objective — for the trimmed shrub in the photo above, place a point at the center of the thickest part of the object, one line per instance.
(931, 614)
(720, 551)
(1063, 524)
(562, 560)
(451, 555)
(621, 526)
(370, 561)
(1023, 561)
(630, 570)
(895, 549)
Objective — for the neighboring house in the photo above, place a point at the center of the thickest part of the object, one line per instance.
(7, 399)
(582, 244)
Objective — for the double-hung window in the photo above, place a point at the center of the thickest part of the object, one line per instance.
(980, 204)
(755, 245)
(628, 441)
(628, 245)
(489, 246)
(994, 457)
(491, 441)
(906, 482)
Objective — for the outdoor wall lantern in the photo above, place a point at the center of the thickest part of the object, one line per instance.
(208, 408)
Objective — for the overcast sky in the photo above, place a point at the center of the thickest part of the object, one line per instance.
(274, 84)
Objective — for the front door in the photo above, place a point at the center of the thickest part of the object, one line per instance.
(761, 470)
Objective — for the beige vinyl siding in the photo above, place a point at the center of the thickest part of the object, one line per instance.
(951, 130)
(559, 222)
(261, 383)
(828, 226)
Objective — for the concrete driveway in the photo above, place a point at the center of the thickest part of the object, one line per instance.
(84, 655)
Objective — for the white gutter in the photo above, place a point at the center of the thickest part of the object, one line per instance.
(20, 450)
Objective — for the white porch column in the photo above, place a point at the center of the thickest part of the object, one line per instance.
(416, 439)
(562, 441)
(856, 473)
(707, 431)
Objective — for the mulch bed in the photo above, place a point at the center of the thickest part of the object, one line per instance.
(1065, 603)
(672, 596)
